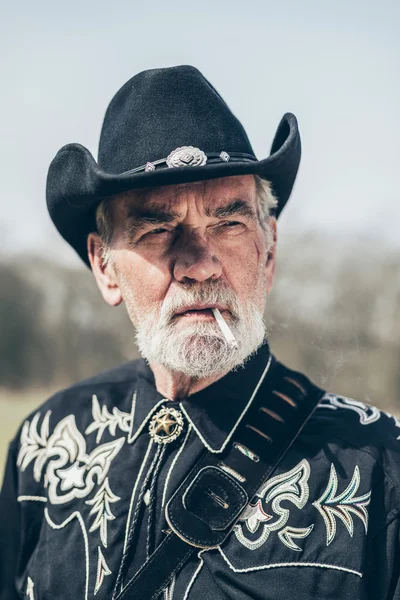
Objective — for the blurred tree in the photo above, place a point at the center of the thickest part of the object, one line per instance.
(23, 345)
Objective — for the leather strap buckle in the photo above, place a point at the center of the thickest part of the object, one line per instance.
(206, 507)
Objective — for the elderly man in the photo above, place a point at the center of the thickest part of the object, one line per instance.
(207, 469)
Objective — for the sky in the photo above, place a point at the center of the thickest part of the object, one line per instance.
(335, 65)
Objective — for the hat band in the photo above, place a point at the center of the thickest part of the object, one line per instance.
(189, 156)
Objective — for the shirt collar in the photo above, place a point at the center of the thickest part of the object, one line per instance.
(216, 411)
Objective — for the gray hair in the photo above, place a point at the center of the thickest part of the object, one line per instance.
(267, 202)
(266, 205)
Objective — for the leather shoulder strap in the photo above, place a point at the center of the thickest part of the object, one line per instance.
(204, 509)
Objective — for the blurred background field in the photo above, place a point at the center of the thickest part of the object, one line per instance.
(332, 314)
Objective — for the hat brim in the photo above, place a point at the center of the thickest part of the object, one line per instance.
(76, 184)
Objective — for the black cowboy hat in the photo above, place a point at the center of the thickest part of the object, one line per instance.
(164, 126)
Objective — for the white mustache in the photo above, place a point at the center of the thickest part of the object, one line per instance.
(205, 295)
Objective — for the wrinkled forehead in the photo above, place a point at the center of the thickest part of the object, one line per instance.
(212, 192)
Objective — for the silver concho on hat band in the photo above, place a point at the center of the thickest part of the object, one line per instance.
(166, 425)
(186, 156)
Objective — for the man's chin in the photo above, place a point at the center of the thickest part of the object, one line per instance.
(203, 356)
(204, 342)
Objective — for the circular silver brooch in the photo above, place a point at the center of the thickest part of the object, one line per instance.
(186, 156)
(166, 425)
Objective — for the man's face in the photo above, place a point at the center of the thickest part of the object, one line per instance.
(180, 250)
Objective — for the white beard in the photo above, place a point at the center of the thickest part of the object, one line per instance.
(199, 349)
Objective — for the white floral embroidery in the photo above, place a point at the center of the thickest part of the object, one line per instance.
(288, 533)
(69, 468)
(33, 445)
(29, 589)
(102, 419)
(291, 486)
(330, 506)
(255, 515)
(368, 414)
(102, 570)
(101, 508)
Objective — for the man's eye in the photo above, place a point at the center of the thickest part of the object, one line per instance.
(158, 231)
(231, 225)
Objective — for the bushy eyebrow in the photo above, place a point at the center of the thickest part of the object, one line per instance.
(149, 216)
(140, 219)
(236, 207)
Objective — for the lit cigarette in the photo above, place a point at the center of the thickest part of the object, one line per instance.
(230, 338)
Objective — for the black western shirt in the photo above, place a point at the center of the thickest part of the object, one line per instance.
(85, 483)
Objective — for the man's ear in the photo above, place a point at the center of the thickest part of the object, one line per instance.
(104, 274)
(270, 262)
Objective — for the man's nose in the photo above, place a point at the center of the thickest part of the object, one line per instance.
(195, 260)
